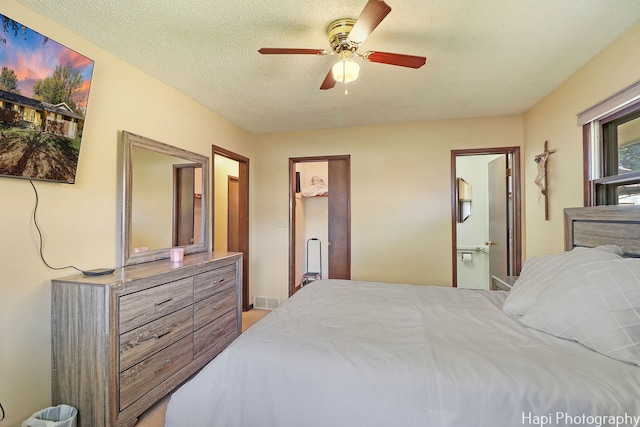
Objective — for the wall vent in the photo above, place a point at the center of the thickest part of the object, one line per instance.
(265, 303)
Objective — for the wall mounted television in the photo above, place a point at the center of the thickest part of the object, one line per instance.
(44, 89)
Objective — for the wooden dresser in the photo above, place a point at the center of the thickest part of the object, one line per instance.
(123, 341)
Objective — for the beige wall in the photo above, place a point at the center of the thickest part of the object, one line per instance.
(400, 196)
(152, 192)
(80, 222)
(553, 119)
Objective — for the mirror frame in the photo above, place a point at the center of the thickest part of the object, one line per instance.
(129, 141)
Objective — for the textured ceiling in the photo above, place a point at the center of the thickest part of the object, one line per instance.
(484, 57)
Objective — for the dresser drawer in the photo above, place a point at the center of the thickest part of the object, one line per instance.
(214, 281)
(142, 307)
(135, 382)
(211, 308)
(208, 336)
(142, 342)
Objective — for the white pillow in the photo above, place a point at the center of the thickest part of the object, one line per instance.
(595, 303)
(537, 273)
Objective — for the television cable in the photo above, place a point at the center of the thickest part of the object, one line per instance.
(96, 272)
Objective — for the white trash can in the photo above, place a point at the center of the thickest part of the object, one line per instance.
(53, 416)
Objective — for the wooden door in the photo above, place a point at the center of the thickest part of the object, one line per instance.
(339, 220)
(498, 217)
(233, 207)
(183, 220)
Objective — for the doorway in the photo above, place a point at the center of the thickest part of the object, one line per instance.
(187, 209)
(494, 246)
(332, 216)
(230, 217)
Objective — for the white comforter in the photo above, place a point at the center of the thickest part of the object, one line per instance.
(346, 353)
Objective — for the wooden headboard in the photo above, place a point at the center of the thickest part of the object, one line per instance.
(603, 225)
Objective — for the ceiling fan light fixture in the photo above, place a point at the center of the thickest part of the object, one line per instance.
(346, 70)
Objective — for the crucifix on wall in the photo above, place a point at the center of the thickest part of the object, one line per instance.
(541, 178)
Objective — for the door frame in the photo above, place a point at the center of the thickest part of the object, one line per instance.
(243, 222)
(293, 161)
(516, 202)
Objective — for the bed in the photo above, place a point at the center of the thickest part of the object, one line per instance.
(351, 353)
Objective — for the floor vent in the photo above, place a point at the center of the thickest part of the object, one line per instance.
(265, 303)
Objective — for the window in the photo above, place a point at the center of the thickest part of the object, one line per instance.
(612, 149)
(620, 182)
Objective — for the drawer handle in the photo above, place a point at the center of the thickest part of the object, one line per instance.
(163, 301)
(218, 305)
(219, 331)
(217, 282)
(166, 332)
(165, 366)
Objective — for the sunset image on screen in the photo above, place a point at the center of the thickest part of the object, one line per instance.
(44, 91)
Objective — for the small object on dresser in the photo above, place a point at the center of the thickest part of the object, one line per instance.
(176, 254)
(98, 271)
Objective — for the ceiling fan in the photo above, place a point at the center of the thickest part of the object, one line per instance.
(345, 37)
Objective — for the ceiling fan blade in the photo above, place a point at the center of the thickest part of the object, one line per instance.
(291, 51)
(408, 61)
(370, 17)
(329, 82)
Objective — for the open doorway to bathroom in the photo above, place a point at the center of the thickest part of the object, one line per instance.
(230, 216)
(486, 215)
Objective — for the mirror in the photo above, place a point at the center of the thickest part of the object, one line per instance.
(165, 200)
(464, 200)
